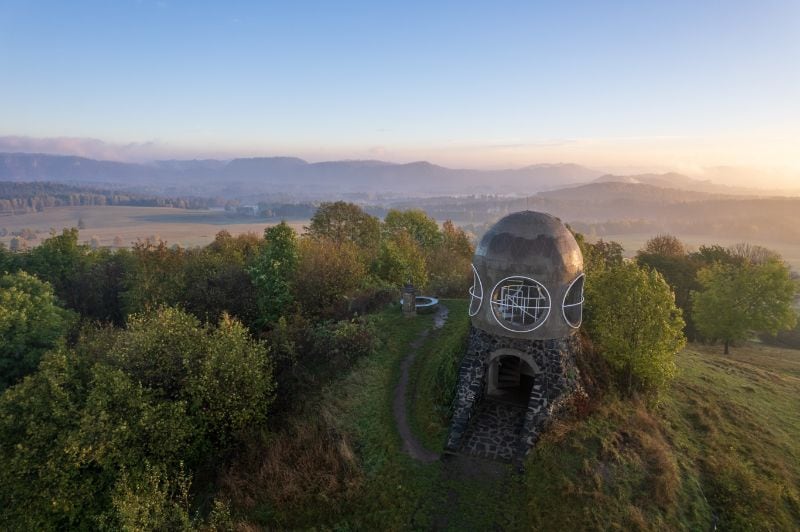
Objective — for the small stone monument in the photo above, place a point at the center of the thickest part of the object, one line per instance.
(526, 306)
(409, 300)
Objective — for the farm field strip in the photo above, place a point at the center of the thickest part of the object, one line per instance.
(176, 226)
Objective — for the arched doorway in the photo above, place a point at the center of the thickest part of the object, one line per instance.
(511, 375)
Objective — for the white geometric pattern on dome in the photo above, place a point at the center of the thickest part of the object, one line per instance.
(475, 292)
(570, 306)
(520, 304)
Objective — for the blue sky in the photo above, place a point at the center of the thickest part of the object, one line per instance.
(479, 83)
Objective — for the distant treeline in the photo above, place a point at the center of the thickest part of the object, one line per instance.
(287, 211)
(22, 197)
(305, 210)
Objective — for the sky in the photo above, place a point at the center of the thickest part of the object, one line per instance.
(615, 85)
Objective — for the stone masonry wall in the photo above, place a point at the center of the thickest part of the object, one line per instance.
(556, 380)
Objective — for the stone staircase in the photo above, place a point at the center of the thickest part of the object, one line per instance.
(509, 372)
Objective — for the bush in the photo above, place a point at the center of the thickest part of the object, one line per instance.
(343, 342)
(77, 436)
(150, 500)
(372, 299)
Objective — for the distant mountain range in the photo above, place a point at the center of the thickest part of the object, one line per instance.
(290, 178)
(289, 175)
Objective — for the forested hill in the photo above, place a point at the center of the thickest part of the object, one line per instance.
(21, 197)
(247, 177)
(607, 191)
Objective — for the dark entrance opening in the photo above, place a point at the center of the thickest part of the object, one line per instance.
(510, 379)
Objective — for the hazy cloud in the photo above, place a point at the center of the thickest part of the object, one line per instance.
(377, 151)
(86, 147)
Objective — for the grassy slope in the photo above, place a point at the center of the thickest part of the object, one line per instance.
(361, 405)
(737, 418)
(722, 448)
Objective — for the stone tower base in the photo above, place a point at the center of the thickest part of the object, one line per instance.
(551, 375)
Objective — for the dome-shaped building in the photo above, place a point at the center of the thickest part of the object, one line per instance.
(528, 278)
(526, 305)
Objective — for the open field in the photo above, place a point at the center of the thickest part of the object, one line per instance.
(176, 226)
(635, 241)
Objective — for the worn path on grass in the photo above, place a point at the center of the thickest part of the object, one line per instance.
(411, 445)
(465, 492)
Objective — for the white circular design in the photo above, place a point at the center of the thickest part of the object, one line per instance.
(576, 305)
(520, 304)
(475, 296)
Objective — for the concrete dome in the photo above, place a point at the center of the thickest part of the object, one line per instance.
(527, 267)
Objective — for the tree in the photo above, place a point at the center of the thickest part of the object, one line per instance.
(273, 273)
(600, 255)
(680, 272)
(708, 255)
(17, 244)
(419, 225)
(456, 241)
(346, 222)
(59, 260)
(100, 288)
(632, 318)
(449, 262)
(664, 244)
(157, 276)
(736, 301)
(327, 273)
(40, 488)
(8, 260)
(401, 260)
(218, 281)
(752, 253)
(30, 323)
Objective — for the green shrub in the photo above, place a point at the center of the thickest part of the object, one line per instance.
(149, 499)
(99, 435)
(343, 342)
